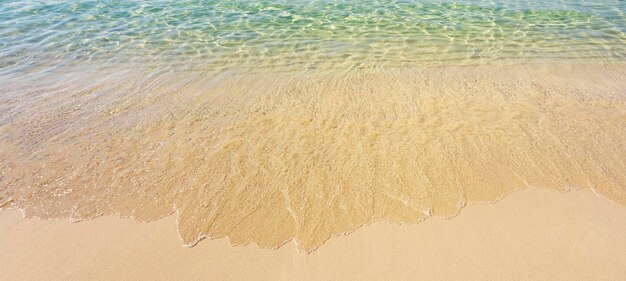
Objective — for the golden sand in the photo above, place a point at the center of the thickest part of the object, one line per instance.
(530, 235)
(266, 158)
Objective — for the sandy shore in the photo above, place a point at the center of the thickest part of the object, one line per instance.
(266, 158)
(530, 235)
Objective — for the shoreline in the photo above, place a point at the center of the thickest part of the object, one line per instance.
(175, 216)
(584, 232)
(271, 158)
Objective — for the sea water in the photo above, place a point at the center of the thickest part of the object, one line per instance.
(266, 121)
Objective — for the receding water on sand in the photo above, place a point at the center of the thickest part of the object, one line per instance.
(266, 158)
(266, 121)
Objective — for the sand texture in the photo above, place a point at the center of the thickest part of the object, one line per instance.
(307, 156)
(535, 234)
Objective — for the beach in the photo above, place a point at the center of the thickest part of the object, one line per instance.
(312, 140)
(267, 158)
(535, 234)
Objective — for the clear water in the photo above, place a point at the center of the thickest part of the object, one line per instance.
(269, 121)
(295, 35)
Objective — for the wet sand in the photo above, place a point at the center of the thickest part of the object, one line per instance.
(534, 234)
(267, 158)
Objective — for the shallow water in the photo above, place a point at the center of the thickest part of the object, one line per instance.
(296, 35)
(271, 121)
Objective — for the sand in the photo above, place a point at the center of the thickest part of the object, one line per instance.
(297, 160)
(267, 158)
(534, 234)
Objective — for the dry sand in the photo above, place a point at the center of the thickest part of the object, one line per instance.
(533, 234)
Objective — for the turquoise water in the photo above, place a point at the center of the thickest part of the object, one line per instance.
(296, 35)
